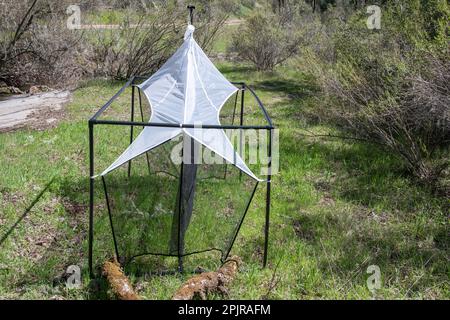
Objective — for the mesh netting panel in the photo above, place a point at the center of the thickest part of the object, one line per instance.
(145, 207)
(148, 220)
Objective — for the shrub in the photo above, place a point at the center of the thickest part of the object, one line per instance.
(269, 39)
(392, 88)
(38, 48)
(37, 53)
(139, 47)
(146, 40)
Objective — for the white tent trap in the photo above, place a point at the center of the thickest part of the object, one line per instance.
(185, 96)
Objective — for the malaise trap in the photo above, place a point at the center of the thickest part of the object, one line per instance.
(179, 184)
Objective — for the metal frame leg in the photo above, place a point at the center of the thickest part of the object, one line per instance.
(241, 122)
(269, 182)
(180, 207)
(232, 122)
(110, 219)
(91, 198)
(142, 119)
(240, 223)
(132, 127)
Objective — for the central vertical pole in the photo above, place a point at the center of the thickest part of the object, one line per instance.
(187, 184)
(191, 14)
(186, 194)
(185, 200)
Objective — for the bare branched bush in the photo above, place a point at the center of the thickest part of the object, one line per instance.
(36, 46)
(269, 39)
(139, 47)
(145, 40)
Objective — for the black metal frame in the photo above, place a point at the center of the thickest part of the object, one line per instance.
(132, 123)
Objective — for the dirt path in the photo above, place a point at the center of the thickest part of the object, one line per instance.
(234, 22)
(36, 111)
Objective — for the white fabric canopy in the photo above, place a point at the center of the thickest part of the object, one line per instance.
(188, 89)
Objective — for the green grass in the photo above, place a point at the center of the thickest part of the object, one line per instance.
(337, 207)
(223, 40)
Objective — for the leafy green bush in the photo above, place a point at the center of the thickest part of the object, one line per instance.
(269, 39)
(392, 86)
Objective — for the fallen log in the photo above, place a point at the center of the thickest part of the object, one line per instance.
(203, 284)
(118, 282)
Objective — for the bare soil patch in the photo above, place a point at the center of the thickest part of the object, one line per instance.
(39, 111)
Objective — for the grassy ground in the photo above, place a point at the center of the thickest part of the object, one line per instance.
(338, 207)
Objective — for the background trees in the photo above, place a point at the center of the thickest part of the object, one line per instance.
(388, 86)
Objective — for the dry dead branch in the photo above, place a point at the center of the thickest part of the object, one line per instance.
(118, 282)
(203, 284)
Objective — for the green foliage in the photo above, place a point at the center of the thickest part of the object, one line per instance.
(391, 86)
(422, 23)
(267, 39)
